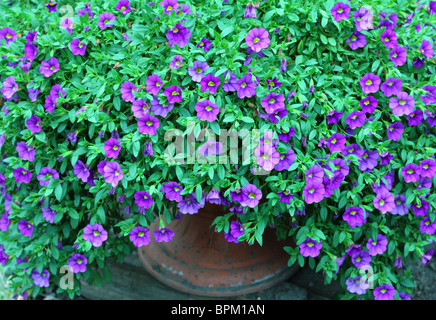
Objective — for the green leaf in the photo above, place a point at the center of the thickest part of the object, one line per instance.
(227, 31)
(198, 192)
(58, 192)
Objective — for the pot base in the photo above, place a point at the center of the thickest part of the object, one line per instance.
(200, 261)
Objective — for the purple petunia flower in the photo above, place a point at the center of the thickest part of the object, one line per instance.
(123, 6)
(230, 82)
(41, 279)
(148, 124)
(25, 227)
(356, 119)
(363, 19)
(206, 110)
(154, 84)
(51, 6)
(285, 160)
(370, 83)
(267, 156)
(391, 86)
(160, 108)
(395, 130)
(81, 171)
(402, 105)
(190, 205)
(127, 91)
(251, 196)
(113, 173)
(176, 62)
(8, 34)
(163, 235)
(389, 38)
(415, 117)
(172, 191)
(250, 11)
(273, 102)
(427, 256)
(313, 192)
(421, 209)
(77, 47)
(77, 263)
(209, 82)
(418, 62)
(68, 24)
(140, 236)
(205, 44)
(148, 149)
(385, 158)
(340, 11)
(354, 216)
(356, 40)
(25, 152)
(285, 196)
(314, 175)
(86, 9)
(354, 285)
(384, 292)
(398, 55)
(173, 94)
(401, 208)
(377, 246)
(368, 104)
(411, 172)
(384, 201)
(257, 39)
(95, 234)
(112, 148)
(169, 5)
(104, 19)
(47, 172)
(140, 108)
(143, 199)
(197, 70)
(48, 214)
(273, 84)
(49, 67)
(310, 248)
(428, 168)
(336, 142)
(333, 116)
(178, 35)
(245, 87)
(30, 51)
(368, 160)
(360, 258)
(426, 226)
(9, 87)
(426, 49)
(22, 175)
(430, 97)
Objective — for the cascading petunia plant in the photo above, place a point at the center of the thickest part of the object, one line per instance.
(331, 105)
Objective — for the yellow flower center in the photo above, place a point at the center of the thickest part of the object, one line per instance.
(255, 40)
(368, 82)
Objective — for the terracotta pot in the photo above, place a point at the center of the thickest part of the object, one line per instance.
(200, 261)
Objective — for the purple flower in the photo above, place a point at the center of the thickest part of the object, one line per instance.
(411, 172)
(113, 173)
(8, 34)
(356, 119)
(354, 285)
(190, 205)
(273, 102)
(402, 105)
(9, 87)
(250, 11)
(30, 51)
(143, 199)
(178, 35)
(368, 160)
(140, 108)
(205, 44)
(95, 234)
(389, 38)
(313, 192)
(427, 256)
(245, 87)
(176, 62)
(77, 47)
(400, 205)
(415, 117)
(140, 236)
(314, 175)
(398, 262)
(209, 82)
(377, 246)
(49, 67)
(154, 84)
(384, 292)
(173, 94)
(368, 104)
(41, 279)
(251, 196)
(310, 248)
(283, 65)
(360, 258)
(47, 172)
(398, 56)
(333, 116)
(51, 6)
(81, 171)
(104, 19)
(395, 131)
(77, 263)
(257, 39)
(430, 97)
(148, 124)
(86, 9)
(426, 49)
(354, 216)
(26, 228)
(161, 108)
(418, 62)
(48, 214)
(22, 175)
(172, 191)
(384, 201)
(391, 86)
(197, 70)
(230, 82)
(25, 152)
(363, 19)
(340, 11)
(123, 6)
(163, 235)
(285, 160)
(336, 142)
(127, 91)
(421, 209)
(285, 196)
(426, 226)
(112, 148)
(370, 83)
(68, 24)
(148, 149)
(267, 156)
(385, 158)
(169, 5)
(428, 168)
(206, 110)
(356, 40)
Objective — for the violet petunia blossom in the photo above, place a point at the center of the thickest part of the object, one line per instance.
(283, 65)
(426, 49)
(395, 130)
(95, 233)
(81, 171)
(51, 6)
(245, 87)
(176, 62)
(173, 94)
(143, 199)
(112, 148)
(313, 192)
(384, 292)
(340, 11)
(427, 256)
(428, 168)
(104, 20)
(41, 279)
(209, 82)
(77, 263)
(354, 216)
(385, 158)
(49, 67)
(25, 152)
(281, 113)
(47, 173)
(34, 124)
(285, 196)
(178, 35)
(368, 104)
(190, 205)
(77, 47)
(267, 156)
(310, 248)
(205, 44)
(336, 142)
(356, 119)
(140, 236)
(30, 51)
(368, 160)
(430, 97)
(68, 24)
(127, 91)
(285, 160)
(8, 34)
(356, 40)
(148, 124)
(163, 235)
(314, 175)
(86, 9)
(197, 70)
(257, 39)
(411, 172)
(206, 110)
(25, 227)
(140, 108)
(356, 285)
(418, 62)
(148, 149)
(273, 84)
(172, 191)
(401, 208)
(252, 196)
(426, 226)
(370, 83)
(169, 6)
(250, 11)
(363, 19)
(154, 84)
(48, 213)
(402, 104)
(161, 108)
(391, 86)
(113, 173)
(9, 87)
(333, 116)
(377, 246)
(273, 102)
(360, 258)
(415, 118)
(398, 55)
(230, 82)
(389, 38)
(22, 175)
(384, 201)
(123, 6)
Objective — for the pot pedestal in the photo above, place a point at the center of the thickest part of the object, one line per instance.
(200, 261)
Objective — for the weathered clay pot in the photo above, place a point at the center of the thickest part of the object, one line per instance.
(200, 261)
